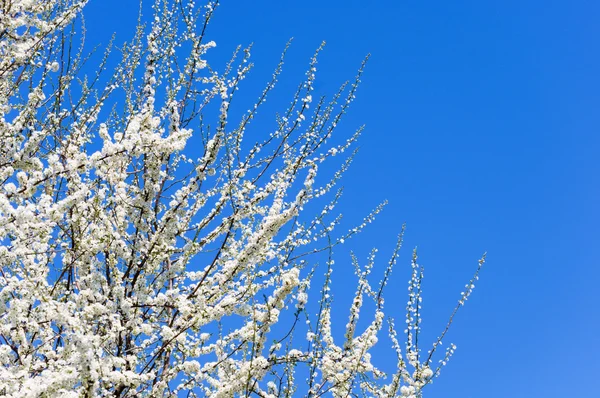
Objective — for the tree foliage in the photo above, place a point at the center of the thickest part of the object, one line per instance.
(136, 264)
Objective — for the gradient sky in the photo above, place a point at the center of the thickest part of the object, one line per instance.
(482, 122)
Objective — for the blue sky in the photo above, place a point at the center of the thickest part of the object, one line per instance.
(482, 124)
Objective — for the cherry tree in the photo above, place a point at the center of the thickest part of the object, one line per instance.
(134, 264)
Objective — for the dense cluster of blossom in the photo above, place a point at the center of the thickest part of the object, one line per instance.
(130, 268)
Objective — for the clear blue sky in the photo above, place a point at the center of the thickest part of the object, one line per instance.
(483, 124)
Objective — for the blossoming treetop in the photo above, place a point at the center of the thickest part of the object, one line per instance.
(132, 266)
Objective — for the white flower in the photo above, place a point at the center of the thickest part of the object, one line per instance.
(10, 188)
(53, 66)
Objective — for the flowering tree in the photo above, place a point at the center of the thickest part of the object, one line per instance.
(131, 268)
